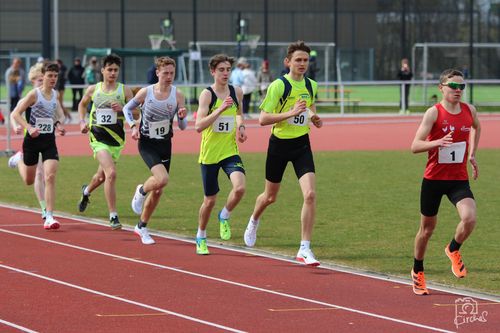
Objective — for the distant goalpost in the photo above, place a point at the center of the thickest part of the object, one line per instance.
(421, 67)
(253, 50)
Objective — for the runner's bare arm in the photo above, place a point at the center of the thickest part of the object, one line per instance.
(420, 144)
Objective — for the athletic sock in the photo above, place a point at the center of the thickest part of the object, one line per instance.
(113, 215)
(43, 204)
(254, 221)
(86, 191)
(454, 246)
(142, 224)
(48, 215)
(304, 245)
(141, 190)
(224, 213)
(201, 233)
(418, 265)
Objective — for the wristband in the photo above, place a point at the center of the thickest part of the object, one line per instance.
(132, 126)
(239, 127)
(56, 123)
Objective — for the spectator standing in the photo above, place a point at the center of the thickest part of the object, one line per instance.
(264, 78)
(405, 74)
(15, 79)
(61, 87)
(248, 87)
(92, 72)
(151, 75)
(76, 76)
(313, 65)
(236, 78)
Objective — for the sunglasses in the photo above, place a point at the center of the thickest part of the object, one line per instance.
(455, 86)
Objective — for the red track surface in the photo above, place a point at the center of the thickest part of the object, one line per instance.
(364, 133)
(87, 278)
(233, 289)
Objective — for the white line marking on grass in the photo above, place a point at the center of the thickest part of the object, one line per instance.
(21, 328)
(238, 284)
(125, 300)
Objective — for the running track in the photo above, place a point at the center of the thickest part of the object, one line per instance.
(86, 277)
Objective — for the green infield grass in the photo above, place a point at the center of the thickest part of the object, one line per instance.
(367, 210)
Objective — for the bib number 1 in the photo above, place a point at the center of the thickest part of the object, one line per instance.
(453, 154)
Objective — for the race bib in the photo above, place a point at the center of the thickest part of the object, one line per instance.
(452, 154)
(105, 116)
(44, 125)
(224, 124)
(299, 120)
(158, 129)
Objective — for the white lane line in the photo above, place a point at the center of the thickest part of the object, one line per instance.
(125, 300)
(265, 254)
(21, 328)
(243, 285)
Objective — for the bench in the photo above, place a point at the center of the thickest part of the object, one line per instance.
(352, 103)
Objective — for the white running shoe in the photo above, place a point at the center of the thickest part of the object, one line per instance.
(250, 235)
(144, 234)
(138, 200)
(307, 257)
(51, 224)
(14, 159)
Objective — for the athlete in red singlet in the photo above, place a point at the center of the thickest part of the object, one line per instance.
(449, 132)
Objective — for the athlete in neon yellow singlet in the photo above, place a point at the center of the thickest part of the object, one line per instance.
(289, 107)
(107, 135)
(220, 121)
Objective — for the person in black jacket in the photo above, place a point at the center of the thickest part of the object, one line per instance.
(405, 74)
(76, 76)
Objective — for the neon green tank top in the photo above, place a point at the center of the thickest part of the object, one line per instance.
(292, 127)
(106, 126)
(218, 141)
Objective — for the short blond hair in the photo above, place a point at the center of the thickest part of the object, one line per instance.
(164, 61)
(35, 70)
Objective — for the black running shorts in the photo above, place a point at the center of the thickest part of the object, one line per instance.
(281, 151)
(156, 151)
(44, 144)
(433, 190)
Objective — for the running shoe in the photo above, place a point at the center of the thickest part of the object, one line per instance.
(14, 160)
(84, 200)
(250, 235)
(201, 246)
(144, 234)
(51, 224)
(419, 287)
(306, 257)
(114, 223)
(457, 265)
(138, 200)
(224, 228)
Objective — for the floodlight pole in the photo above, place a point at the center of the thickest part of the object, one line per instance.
(56, 29)
(266, 27)
(471, 47)
(46, 29)
(122, 40)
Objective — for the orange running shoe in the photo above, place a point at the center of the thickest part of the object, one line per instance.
(419, 287)
(457, 265)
